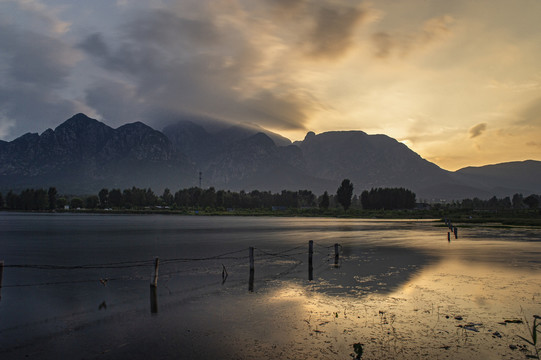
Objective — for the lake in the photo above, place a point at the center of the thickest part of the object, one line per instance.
(77, 286)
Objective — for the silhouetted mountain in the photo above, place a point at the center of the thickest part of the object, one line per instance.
(193, 141)
(257, 163)
(505, 178)
(371, 161)
(83, 155)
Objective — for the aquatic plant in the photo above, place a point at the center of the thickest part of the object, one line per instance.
(358, 351)
(533, 335)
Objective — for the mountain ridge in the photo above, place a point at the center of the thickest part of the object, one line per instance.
(82, 155)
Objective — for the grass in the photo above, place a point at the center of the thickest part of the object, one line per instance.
(533, 336)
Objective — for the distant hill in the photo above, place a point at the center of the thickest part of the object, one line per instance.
(505, 178)
(83, 155)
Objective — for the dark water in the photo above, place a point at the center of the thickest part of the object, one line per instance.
(78, 286)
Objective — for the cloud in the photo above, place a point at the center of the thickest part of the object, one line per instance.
(95, 45)
(536, 144)
(167, 64)
(36, 66)
(387, 44)
(41, 16)
(5, 125)
(115, 102)
(333, 32)
(477, 130)
(285, 112)
(530, 114)
(383, 44)
(164, 27)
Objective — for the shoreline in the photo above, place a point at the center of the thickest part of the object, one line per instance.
(501, 219)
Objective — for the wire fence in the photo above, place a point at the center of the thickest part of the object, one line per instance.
(264, 256)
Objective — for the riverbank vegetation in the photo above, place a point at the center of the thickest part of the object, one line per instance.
(389, 203)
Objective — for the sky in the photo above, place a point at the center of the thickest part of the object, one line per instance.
(459, 82)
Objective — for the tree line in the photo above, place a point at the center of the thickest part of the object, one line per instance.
(388, 198)
(210, 198)
(516, 202)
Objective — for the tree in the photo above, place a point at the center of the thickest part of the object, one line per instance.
(103, 195)
(344, 193)
(388, 198)
(52, 194)
(61, 202)
(517, 201)
(115, 198)
(306, 198)
(167, 198)
(12, 200)
(532, 201)
(324, 201)
(76, 203)
(92, 202)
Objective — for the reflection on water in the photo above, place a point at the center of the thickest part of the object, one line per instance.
(397, 287)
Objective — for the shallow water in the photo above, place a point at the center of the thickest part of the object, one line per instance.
(398, 287)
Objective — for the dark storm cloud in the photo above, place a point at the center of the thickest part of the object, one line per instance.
(35, 65)
(334, 31)
(175, 65)
(164, 28)
(33, 58)
(477, 130)
(33, 109)
(95, 45)
(117, 103)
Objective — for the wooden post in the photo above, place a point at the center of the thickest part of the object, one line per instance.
(336, 254)
(156, 266)
(310, 265)
(448, 236)
(153, 299)
(251, 280)
(456, 232)
(1, 276)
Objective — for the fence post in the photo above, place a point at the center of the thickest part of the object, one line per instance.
(310, 265)
(1, 276)
(336, 254)
(153, 299)
(156, 266)
(251, 280)
(456, 232)
(448, 236)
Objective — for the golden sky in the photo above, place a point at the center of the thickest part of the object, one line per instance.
(457, 81)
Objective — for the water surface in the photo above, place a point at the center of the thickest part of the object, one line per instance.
(398, 287)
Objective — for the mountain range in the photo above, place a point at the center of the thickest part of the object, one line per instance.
(83, 155)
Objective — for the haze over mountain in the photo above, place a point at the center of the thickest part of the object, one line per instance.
(83, 155)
